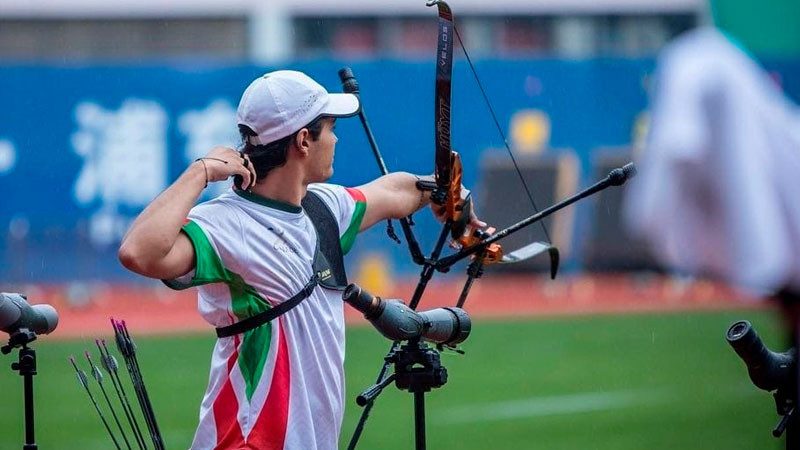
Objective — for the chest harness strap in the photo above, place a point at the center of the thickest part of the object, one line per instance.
(328, 267)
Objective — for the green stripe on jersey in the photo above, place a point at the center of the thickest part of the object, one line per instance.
(245, 302)
(349, 236)
(208, 267)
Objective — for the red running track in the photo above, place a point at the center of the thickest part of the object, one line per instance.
(84, 309)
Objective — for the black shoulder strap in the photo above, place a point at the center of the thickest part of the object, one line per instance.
(328, 239)
(272, 313)
(327, 255)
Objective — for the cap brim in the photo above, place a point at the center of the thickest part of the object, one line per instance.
(341, 105)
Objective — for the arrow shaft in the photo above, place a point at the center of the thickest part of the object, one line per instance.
(83, 382)
(114, 415)
(112, 368)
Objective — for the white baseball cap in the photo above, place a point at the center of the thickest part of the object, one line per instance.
(282, 102)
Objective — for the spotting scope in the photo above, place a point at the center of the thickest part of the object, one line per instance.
(396, 321)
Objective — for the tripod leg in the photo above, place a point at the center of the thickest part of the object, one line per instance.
(793, 427)
(419, 419)
(790, 302)
(30, 441)
(368, 407)
(360, 427)
(27, 368)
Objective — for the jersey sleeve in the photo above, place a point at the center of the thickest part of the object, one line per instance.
(347, 205)
(217, 238)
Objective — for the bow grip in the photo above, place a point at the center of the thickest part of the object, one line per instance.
(461, 217)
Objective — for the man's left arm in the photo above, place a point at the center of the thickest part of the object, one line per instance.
(394, 196)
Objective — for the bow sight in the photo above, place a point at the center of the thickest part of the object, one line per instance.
(417, 368)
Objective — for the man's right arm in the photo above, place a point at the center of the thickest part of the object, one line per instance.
(154, 245)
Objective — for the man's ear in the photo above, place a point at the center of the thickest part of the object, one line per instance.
(302, 141)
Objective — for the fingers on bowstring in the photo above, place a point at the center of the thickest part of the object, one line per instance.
(253, 175)
(245, 170)
(247, 177)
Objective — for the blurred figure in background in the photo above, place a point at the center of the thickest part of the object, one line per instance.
(720, 177)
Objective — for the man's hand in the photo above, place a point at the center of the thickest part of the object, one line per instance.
(223, 162)
(396, 195)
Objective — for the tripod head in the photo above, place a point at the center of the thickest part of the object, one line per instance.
(20, 338)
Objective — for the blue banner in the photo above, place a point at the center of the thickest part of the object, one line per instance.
(84, 149)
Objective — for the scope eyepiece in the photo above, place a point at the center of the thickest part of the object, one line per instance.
(737, 331)
(371, 306)
(768, 370)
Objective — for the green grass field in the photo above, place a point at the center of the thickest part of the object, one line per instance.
(665, 381)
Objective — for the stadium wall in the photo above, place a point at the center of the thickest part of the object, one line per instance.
(84, 148)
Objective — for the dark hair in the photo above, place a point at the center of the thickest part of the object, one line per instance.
(269, 156)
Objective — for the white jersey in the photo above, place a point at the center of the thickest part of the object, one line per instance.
(280, 385)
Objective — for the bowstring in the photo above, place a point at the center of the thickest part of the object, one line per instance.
(500, 130)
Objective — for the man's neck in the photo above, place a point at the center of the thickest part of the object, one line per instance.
(282, 184)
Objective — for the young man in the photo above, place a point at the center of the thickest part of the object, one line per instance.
(279, 385)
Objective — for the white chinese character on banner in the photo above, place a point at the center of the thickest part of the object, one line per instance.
(207, 128)
(125, 161)
(8, 156)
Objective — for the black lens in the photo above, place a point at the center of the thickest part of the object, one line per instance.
(738, 329)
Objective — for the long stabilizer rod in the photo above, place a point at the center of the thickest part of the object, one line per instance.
(616, 177)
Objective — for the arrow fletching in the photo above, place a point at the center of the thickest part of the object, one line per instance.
(103, 357)
(82, 378)
(97, 374)
(113, 365)
(128, 339)
(95, 370)
(119, 335)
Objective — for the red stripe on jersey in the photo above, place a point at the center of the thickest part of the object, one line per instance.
(269, 432)
(356, 194)
(226, 410)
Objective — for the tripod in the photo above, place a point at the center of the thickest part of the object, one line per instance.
(26, 366)
(417, 369)
(788, 423)
(786, 399)
(778, 373)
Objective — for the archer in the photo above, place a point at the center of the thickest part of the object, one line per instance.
(266, 258)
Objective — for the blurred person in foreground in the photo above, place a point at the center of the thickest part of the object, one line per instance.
(279, 385)
(720, 176)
